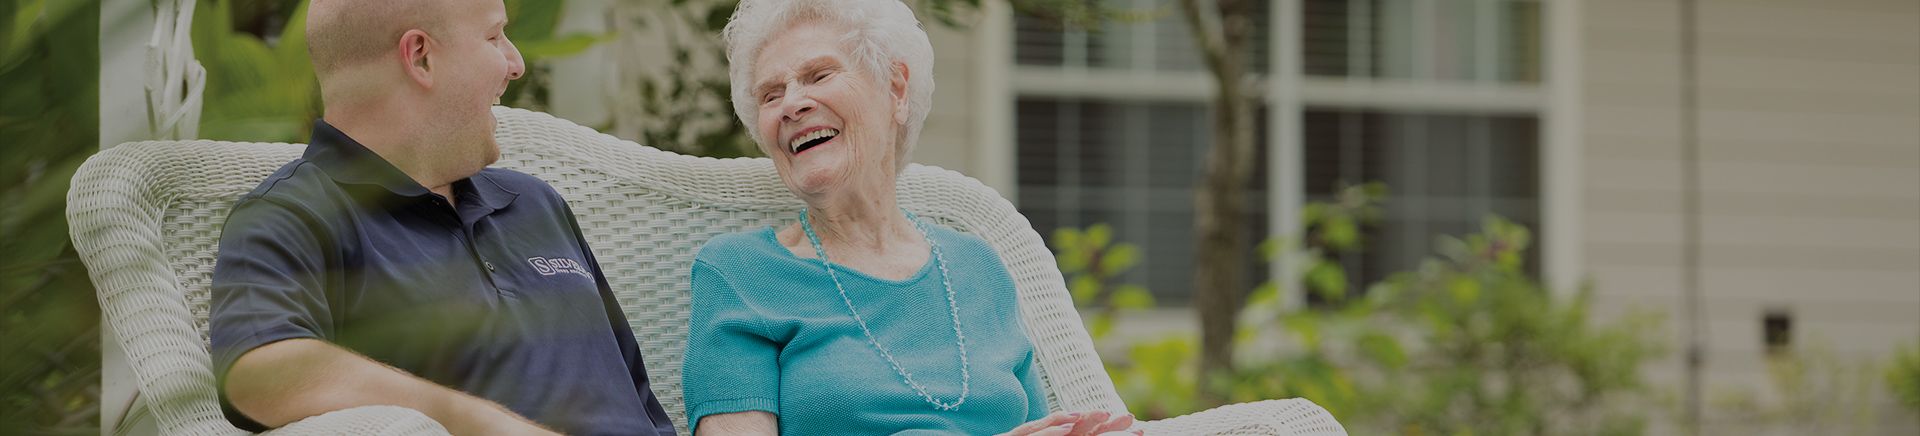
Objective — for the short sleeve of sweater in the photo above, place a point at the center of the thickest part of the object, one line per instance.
(730, 364)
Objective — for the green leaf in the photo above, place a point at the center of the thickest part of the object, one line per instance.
(1119, 259)
(1329, 280)
(1099, 326)
(1383, 349)
(1099, 235)
(1265, 295)
(254, 92)
(1244, 335)
(1065, 239)
(38, 21)
(1163, 358)
(1270, 249)
(1311, 213)
(560, 47)
(1085, 290)
(532, 19)
(1374, 191)
(291, 50)
(1306, 327)
(1340, 233)
(1465, 291)
(1132, 297)
(1067, 251)
(19, 30)
(49, 115)
(1903, 377)
(1072, 263)
(45, 200)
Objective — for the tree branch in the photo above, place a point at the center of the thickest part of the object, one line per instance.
(1208, 32)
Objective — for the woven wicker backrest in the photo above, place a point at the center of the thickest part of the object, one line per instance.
(147, 216)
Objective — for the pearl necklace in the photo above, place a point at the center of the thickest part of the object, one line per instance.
(952, 305)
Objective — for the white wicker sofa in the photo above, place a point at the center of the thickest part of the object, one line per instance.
(146, 218)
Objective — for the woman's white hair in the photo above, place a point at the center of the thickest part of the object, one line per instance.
(879, 33)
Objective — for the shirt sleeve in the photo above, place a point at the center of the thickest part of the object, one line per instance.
(731, 361)
(267, 287)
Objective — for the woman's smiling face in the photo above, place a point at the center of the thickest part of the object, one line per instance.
(824, 120)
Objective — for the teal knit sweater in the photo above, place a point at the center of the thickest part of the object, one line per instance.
(770, 333)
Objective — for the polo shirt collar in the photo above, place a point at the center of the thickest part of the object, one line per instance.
(492, 194)
(347, 161)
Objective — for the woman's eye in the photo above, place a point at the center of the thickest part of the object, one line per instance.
(822, 75)
(769, 98)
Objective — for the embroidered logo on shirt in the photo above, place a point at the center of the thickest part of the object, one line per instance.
(558, 265)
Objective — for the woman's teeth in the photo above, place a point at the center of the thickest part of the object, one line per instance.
(811, 139)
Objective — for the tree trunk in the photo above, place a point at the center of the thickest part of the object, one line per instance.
(1222, 27)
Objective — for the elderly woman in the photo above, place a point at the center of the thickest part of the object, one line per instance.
(859, 318)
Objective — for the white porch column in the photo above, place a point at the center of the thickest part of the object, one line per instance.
(1561, 194)
(150, 88)
(125, 27)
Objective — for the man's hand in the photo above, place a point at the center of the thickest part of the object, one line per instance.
(487, 417)
(286, 381)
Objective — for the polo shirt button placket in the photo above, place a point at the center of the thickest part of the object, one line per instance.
(489, 265)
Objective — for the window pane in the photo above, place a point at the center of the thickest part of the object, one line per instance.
(1145, 35)
(1444, 173)
(1135, 166)
(1447, 40)
(1037, 42)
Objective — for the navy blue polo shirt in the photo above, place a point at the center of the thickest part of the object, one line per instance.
(498, 295)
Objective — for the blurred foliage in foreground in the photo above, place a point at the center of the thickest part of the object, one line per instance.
(1903, 377)
(1466, 344)
(49, 322)
(260, 88)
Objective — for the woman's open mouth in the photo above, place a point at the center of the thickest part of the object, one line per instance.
(812, 139)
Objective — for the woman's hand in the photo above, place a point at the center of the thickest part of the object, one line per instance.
(1096, 422)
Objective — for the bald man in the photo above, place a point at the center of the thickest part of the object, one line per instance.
(389, 266)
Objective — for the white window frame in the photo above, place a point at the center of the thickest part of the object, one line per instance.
(1555, 99)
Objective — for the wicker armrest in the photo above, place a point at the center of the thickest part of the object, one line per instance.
(1272, 417)
(365, 420)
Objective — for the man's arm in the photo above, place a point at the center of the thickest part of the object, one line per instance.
(286, 381)
(622, 333)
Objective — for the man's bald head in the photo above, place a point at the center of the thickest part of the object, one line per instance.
(345, 33)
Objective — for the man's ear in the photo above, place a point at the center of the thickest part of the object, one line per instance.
(415, 46)
(897, 87)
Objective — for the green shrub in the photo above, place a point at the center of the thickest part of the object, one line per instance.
(1903, 377)
(1808, 391)
(1468, 343)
